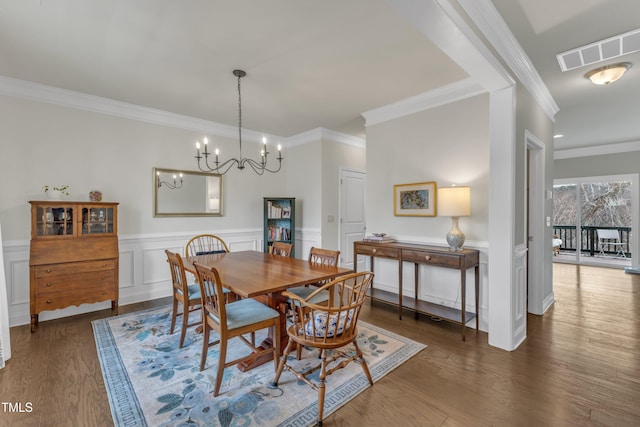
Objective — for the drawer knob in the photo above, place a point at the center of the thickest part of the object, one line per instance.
(49, 270)
(48, 284)
(48, 301)
(427, 257)
(104, 265)
(104, 292)
(103, 277)
(374, 251)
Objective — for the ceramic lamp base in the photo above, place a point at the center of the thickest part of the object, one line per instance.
(455, 237)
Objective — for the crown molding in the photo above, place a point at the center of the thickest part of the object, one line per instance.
(96, 104)
(443, 95)
(324, 134)
(597, 150)
(486, 17)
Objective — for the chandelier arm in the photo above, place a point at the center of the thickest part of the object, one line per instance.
(225, 166)
(263, 167)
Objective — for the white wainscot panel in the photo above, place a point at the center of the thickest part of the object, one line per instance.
(126, 278)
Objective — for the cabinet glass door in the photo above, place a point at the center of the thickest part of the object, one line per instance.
(54, 221)
(97, 220)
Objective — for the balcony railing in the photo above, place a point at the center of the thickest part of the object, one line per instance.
(589, 239)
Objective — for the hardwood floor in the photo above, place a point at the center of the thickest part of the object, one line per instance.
(580, 365)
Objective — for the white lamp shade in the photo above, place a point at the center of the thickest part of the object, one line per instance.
(454, 201)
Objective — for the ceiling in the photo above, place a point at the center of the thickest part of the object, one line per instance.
(309, 64)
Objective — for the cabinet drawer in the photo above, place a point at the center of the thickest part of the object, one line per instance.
(57, 283)
(379, 251)
(55, 270)
(433, 258)
(56, 300)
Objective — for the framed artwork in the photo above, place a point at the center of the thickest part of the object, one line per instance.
(417, 199)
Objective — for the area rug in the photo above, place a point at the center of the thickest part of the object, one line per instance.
(152, 382)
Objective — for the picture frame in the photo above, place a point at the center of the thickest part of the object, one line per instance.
(417, 199)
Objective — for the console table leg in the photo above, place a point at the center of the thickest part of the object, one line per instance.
(477, 296)
(463, 286)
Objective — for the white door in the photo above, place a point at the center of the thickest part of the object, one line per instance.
(352, 214)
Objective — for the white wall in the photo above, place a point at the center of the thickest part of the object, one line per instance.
(448, 145)
(43, 144)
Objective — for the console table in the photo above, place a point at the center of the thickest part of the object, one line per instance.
(430, 255)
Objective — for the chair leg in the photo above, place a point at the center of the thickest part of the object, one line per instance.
(205, 345)
(221, 361)
(361, 360)
(174, 314)
(185, 323)
(283, 360)
(322, 386)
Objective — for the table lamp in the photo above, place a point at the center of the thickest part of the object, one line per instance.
(454, 202)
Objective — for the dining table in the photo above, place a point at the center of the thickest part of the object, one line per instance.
(264, 276)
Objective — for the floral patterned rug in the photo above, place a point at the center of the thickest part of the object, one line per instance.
(152, 382)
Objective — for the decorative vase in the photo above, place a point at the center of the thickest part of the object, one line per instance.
(95, 196)
(54, 195)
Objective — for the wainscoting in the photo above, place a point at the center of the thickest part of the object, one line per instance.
(144, 274)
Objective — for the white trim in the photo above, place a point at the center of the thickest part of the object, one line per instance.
(96, 104)
(324, 134)
(535, 212)
(82, 101)
(486, 17)
(443, 95)
(597, 150)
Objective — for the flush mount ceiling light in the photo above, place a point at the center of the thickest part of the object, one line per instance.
(608, 73)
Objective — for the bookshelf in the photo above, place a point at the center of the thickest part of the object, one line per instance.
(279, 221)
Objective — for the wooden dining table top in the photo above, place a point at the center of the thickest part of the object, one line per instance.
(252, 273)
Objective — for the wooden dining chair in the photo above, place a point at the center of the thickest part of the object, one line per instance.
(317, 256)
(183, 293)
(282, 249)
(205, 244)
(330, 328)
(231, 320)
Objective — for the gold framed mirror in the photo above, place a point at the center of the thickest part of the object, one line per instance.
(186, 193)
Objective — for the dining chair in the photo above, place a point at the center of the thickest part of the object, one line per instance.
(317, 256)
(330, 328)
(183, 293)
(205, 244)
(282, 249)
(231, 320)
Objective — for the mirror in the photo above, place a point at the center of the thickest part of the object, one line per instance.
(186, 193)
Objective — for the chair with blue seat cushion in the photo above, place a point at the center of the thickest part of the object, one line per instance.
(183, 293)
(329, 327)
(231, 320)
(205, 244)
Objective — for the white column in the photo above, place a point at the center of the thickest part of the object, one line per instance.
(5, 343)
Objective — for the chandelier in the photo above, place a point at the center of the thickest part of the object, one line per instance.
(258, 166)
(167, 184)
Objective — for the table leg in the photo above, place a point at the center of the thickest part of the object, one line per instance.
(463, 290)
(279, 303)
(415, 286)
(400, 288)
(477, 296)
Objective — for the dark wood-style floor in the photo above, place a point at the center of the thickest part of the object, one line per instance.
(580, 365)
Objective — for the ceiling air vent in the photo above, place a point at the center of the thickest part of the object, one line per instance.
(600, 51)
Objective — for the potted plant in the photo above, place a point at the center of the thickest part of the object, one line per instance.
(55, 193)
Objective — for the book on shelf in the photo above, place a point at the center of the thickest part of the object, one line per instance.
(378, 239)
